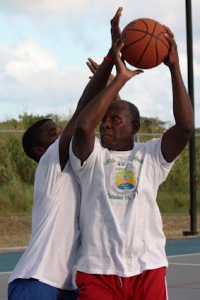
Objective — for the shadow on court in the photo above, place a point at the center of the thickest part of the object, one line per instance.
(183, 274)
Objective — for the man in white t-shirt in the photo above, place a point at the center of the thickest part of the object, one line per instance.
(45, 270)
(122, 252)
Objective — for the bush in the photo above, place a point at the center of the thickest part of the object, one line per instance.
(17, 177)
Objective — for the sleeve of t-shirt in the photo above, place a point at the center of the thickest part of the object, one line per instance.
(159, 160)
(79, 169)
(49, 171)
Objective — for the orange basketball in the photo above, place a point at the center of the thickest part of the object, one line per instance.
(145, 45)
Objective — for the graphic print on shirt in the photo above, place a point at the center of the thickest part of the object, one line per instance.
(123, 179)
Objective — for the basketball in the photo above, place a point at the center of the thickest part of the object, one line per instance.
(145, 45)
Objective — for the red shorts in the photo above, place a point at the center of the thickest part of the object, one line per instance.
(150, 285)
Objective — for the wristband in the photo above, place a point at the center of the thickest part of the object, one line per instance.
(108, 58)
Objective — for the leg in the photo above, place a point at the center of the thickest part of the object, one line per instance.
(150, 285)
(31, 289)
(98, 287)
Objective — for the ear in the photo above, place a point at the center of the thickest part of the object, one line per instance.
(135, 126)
(39, 150)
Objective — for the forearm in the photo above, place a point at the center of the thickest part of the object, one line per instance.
(182, 108)
(96, 109)
(97, 82)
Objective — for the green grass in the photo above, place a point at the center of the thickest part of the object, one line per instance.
(17, 177)
(16, 198)
(173, 201)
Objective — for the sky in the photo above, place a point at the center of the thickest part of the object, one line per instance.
(45, 44)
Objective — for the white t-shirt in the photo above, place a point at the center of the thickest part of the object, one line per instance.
(120, 222)
(54, 240)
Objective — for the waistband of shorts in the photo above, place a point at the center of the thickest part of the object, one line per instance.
(24, 281)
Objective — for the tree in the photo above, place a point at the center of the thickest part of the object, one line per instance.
(152, 125)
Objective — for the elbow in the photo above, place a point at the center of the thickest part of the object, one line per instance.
(188, 129)
(186, 124)
(81, 127)
(79, 130)
(190, 126)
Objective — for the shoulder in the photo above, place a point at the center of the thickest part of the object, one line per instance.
(150, 145)
(50, 159)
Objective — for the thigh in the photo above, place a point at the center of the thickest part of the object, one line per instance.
(98, 287)
(150, 285)
(31, 289)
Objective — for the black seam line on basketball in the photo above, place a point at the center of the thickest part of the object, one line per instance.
(151, 35)
(147, 33)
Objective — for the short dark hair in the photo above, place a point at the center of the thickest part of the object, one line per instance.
(134, 112)
(31, 138)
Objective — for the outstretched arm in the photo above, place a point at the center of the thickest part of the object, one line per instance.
(175, 138)
(93, 66)
(95, 85)
(90, 117)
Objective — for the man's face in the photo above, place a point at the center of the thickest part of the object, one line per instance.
(116, 128)
(50, 131)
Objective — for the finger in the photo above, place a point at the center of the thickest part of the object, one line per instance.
(92, 69)
(119, 45)
(169, 31)
(96, 65)
(137, 72)
(115, 19)
(123, 60)
(92, 61)
(170, 40)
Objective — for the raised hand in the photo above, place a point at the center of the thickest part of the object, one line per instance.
(115, 30)
(121, 68)
(172, 59)
(92, 65)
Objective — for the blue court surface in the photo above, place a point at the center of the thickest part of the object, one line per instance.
(183, 274)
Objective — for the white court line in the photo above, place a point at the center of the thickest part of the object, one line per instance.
(181, 255)
(2, 273)
(185, 264)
